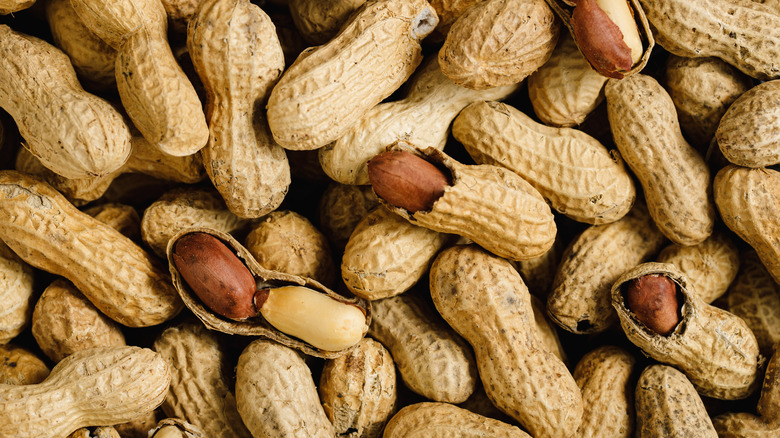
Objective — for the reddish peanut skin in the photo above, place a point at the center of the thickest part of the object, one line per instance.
(406, 180)
(653, 299)
(216, 275)
(600, 39)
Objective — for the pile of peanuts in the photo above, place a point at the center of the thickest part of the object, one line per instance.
(389, 218)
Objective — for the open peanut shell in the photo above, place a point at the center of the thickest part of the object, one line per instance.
(564, 11)
(256, 326)
(187, 430)
(714, 348)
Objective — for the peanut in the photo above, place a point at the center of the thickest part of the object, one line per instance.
(484, 299)
(19, 366)
(179, 13)
(607, 34)
(446, 421)
(498, 42)
(318, 20)
(715, 349)
(275, 393)
(538, 273)
(675, 179)
(120, 217)
(72, 132)
(328, 88)
(16, 294)
(176, 428)
(546, 331)
(653, 300)
(341, 208)
(448, 11)
(106, 385)
(580, 177)
(406, 180)
(11, 6)
(237, 55)
(155, 92)
(668, 405)
(116, 275)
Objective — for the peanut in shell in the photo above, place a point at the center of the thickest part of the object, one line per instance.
(16, 294)
(341, 207)
(20, 366)
(320, 20)
(444, 420)
(10, 6)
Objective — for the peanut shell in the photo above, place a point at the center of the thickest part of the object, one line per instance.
(749, 132)
(16, 294)
(11, 6)
(320, 20)
(446, 421)
(341, 207)
(19, 366)
(546, 331)
(120, 217)
(448, 11)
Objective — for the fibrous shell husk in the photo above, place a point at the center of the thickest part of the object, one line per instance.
(444, 420)
(715, 349)
(255, 326)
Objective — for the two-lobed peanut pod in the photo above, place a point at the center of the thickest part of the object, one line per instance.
(484, 299)
(576, 173)
(749, 132)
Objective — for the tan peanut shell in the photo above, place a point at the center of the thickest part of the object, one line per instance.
(422, 117)
(448, 11)
(16, 294)
(667, 405)
(748, 201)
(179, 13)
(91, 57)
(743, 33)
(565, 8)
(387, 255)
(257, 326)
(675, 179)
(122, 280)
(538, 273)
(546, 332)
(769, 403)
(749, 132)
(446, 421)
(11, 6)
(711, 265)
(286, 241)
(755, 297)
(320, 20)
(605, 377)
(175, 428)
(579, 299)
(341, 207)
(432, 359)
(565, 89)
(19, 366)
(99, 386)
(484, 299)
(183, 208)
(276, 395)
(155, 92)
(498, 42)
(490, 205)
(715, 349)
(702, 90)
(358, 390)
(120, 217)
(235, 50)
(65, 322)
(328, 88)
(576, 173)
(138, 427)
(200, 392)
(72, 132)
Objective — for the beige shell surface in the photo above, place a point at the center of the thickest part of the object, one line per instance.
(744, 425)
(702, 90)
(668, 405)
(579, 299)
(276, 395)
(16, 294)
(19, 366)
(10, 6)
(358, 390)
(255, 326)
(120, 217)
(423, 117)
(92, 58)
(605, 377)
(749, 132)
(490, 205)
(448, 11)
(432, 359)
(328, 88)
(164, 427)
(200, 392)
(748, 201)
(320, 20)
(116, 275)
(106, 385)
(546, 331)
(711, 265)
(72, 132)
(444, 420)
(150, 160)
(387, 255)
(184, 208)
(715, 349)
(743, 33)
(538, 273)
(769, 403)
(64, 322)
(484, 299)
(576, 173)
(235, 50)
(499, 42)
(565, 89)
(341, 207)
(755, 297)
(179, 13)
(286, 241)
(675, 179)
